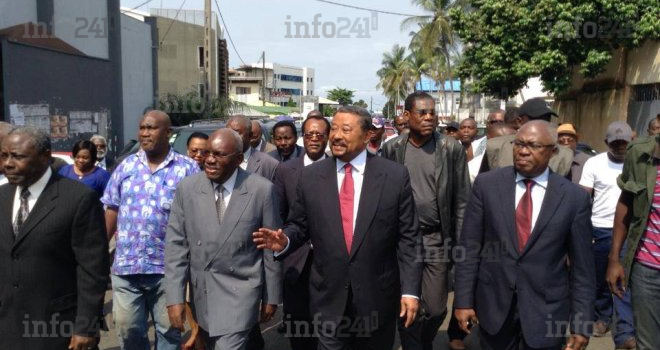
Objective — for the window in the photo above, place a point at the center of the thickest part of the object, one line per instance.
(200, 87)
(243, 90)
(200, 56)
(295, 78)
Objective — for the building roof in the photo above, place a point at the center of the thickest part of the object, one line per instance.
(30, 34)
(325, 101)
(428, 85)
(270, 110)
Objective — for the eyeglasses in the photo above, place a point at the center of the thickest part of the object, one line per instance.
(496, 121)
(221, 155)
(311, 135)
(199, 151)
(535, 147)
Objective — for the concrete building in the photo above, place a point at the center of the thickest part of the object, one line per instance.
(282, 82)
(61, 69)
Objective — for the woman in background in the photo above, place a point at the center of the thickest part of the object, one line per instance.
(84, 169)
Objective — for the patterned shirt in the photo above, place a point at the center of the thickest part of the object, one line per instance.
(648, 252)
(143, 200)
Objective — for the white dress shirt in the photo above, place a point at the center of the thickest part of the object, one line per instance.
(358, 164)
(228, 188)
(538, 192)
(35, 191)
(246, 157)
(308, 161)
(3, 179)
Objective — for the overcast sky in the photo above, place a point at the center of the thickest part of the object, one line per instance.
(261, 25)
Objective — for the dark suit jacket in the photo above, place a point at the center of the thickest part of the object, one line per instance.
(262, 164)
(55, 269)
(297, 152)
(548, 289)
(384, 260)
(286, 182)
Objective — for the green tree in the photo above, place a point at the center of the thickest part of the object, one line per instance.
(396, 74)
(361, 103)
(290, 103)
(185, 108)
(343, 96)
(509, 41)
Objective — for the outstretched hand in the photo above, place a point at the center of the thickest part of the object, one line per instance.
(270, 239)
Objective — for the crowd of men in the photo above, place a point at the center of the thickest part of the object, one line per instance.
(354, 233)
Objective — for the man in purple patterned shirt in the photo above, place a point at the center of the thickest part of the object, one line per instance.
(138, 199)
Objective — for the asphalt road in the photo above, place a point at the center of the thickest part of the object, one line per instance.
(277, 341)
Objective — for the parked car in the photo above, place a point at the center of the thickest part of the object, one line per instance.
(584, 148)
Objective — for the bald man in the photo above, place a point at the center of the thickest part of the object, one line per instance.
(256, 140)
(525, 296)
(210, 246)
(138, 199)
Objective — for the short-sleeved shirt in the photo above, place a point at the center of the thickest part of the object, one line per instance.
(143, 200)
(421, 166)
(96, 180)
(600, 174)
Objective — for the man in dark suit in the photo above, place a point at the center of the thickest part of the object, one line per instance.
(519, 281)
(53, 252)
(255, 162)
(256, 140)
(297, 265)
(359, 214)
(105, 160)
(285, 137)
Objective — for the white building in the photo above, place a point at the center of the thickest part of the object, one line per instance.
(282, 82)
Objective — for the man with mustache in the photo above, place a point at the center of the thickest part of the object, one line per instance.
(103, 159)
(145, 179)
(297, 265)
(440, 186)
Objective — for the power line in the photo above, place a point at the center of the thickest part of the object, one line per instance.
(229, 35)
(137, 7)
(368, 9)
(173, 19)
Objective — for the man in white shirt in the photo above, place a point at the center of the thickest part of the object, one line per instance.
(599, 178)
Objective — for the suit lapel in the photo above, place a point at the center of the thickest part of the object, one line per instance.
(254, 163)
(235, 209)
(206, 193)
(44, 205)
(508, 195)
(372, 185)
(551, 201)
(7, 198)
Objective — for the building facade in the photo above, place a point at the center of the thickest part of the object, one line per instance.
(277, 84)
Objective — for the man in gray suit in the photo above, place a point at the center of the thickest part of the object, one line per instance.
(253, 161)
(208, 244)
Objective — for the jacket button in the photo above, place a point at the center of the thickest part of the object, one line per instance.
(231, 269)
(15, 285)
(199, 242)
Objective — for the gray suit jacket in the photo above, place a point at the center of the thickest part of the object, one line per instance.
(499, 151)
(229, 277)
(262, 164)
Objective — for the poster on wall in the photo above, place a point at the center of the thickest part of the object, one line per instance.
(58, 126)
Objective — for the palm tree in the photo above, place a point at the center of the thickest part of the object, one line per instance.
(436, 36)
(396, 75)
(419, 65)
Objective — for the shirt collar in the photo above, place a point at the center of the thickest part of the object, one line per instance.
(142, 156)
(39, 186)
(359, 162)
(246, 154)
(229, 184)
(307, 161)
(541, 180)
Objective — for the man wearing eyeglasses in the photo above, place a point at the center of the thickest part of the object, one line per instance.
(297, 265)
(440, 185)
(523, 294)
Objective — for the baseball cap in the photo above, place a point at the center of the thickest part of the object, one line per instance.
(378, 122)
(566, 128)
(452, 125)
(619, 130)
(535, 108)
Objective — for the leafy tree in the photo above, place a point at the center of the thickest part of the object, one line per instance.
(509, 41)
(327, 111)
(396, 75)
(389, 110)
(343, 96)
(290, 103)
(361, 103)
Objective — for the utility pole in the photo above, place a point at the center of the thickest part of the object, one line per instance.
(263, 75)
(206, 71)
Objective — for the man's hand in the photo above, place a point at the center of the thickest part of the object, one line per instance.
(267, 312)
(269, 239)
(82, 343)
(177, 315)
(616, 278)
(409, 307)
(466, 319)
(577, 342)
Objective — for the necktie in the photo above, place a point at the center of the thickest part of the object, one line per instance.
(220, 202)
(23, 210)
(346, 205)
(524, 215)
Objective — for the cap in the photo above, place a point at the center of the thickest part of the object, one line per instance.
(619, 131)
(535, 108)
(566, 128)
(378, 122)
(452, 125)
